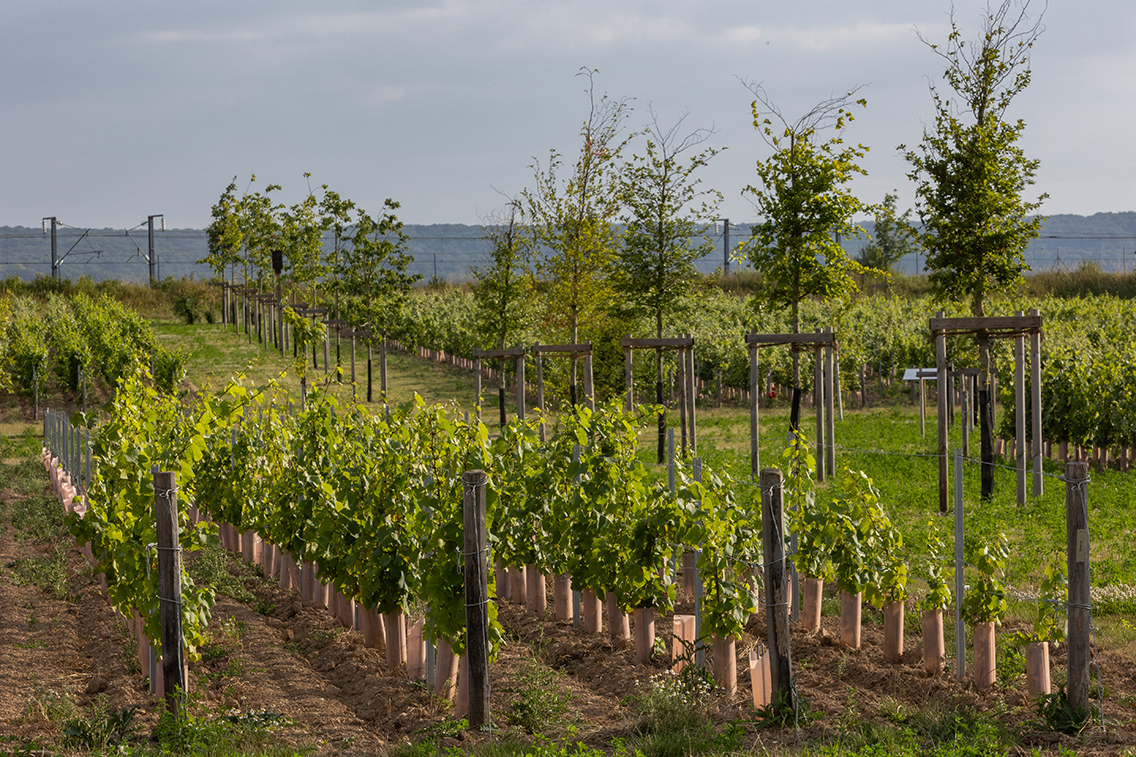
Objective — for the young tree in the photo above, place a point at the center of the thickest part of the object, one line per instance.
(373, 269)
(893, 237)
(972, 174)
(663, 207)
(804, 202)
(504, 289)
(301, 241)
(574, 219)
(336, 214)
(224, 233)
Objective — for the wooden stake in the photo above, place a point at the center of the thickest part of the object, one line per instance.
(830, 410)
(941, 381)
(169, 589)
(1035, 407)
(776, 607)
(477, 585)
(1020, 413)
(1077, 548)
(818, 403)
(754, 430)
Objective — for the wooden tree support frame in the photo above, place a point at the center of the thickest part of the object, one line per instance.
(824, 345)
(516, 353)
(684, 345)
(1016, 327)
(573, 352)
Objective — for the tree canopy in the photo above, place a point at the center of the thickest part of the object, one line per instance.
(804, 202)
(663, 207)
(970, 171)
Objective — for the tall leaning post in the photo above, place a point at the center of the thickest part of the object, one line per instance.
(776, 594)
(521, 386)
(589, 382)
(1035, 406)
(476, 596)
(941, 392)
(1020, 412)
(1077, 546)
(169, 589)
(539, 391)
(692, 384)
(754, 429)
(476, 386)
(818, 402)
(628, 379)
(830, 397)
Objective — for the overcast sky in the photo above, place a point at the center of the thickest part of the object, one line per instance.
(111, 111)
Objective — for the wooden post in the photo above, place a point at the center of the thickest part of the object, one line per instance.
(383, 368)
(477, 386)
(863, 386)
(1020, 412)
(589, 385)
(477, 590)
(628, 381)
(1035, 407)
(169, 589)
(540, 392)
(941, 365)
(922, 406)
(681, 383)
(839, 392)
(754, 405)
(354, 391)
(692, 384)
(776, 607)
(521, 387)
(964, 416)
(1077, 546)
(818, 402)
(960, 586)
(830, 410)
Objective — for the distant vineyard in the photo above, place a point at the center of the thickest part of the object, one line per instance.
(1088, 354)
(75, 345)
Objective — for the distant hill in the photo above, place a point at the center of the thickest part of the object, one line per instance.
(449, 250)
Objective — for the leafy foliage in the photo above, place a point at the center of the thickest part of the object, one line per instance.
(970, 170)
(985, 601)
(803, 200)
(574, 218)
(894, 238)
(654, 267)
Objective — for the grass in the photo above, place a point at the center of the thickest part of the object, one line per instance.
(210, 566)
(216, 354)
(37, 519)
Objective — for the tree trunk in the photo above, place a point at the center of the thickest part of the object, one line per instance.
(986, 419)
(659, 400)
